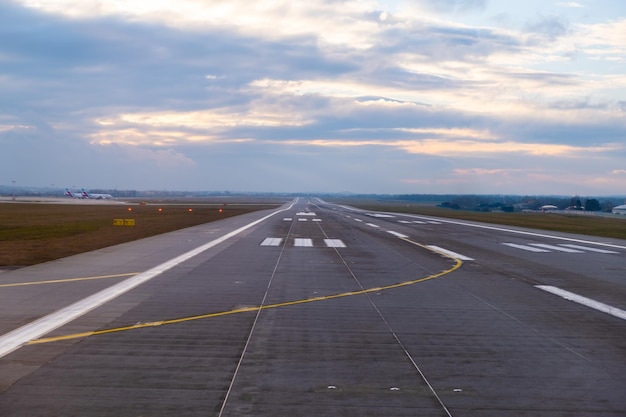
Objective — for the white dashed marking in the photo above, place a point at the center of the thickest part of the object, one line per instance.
(524, 247)
(596, 305)
(450, 253)
(587, 249)
(272, 241)
(556, 248)
(334, 243)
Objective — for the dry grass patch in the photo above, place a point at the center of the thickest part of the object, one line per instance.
(35, 233)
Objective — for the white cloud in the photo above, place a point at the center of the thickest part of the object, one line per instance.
(571, 4)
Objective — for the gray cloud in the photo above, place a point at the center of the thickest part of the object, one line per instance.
(548, 28)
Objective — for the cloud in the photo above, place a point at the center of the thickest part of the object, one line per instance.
(548, 28)
(571, 4)
(452, 6)
(309, 91)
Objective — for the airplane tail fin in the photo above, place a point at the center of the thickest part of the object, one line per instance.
(68, 193)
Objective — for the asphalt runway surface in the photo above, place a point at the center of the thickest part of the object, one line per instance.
(321, 310)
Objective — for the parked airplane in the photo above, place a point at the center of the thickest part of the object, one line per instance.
(85, 194)
(68, 193)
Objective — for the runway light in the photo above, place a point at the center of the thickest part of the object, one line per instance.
(220, 210)
(130, 209)
(190, 210)
(160, 210)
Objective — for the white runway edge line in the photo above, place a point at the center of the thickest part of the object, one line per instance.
(38, 328)
(605, 308)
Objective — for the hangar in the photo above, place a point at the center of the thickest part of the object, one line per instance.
(620, 209)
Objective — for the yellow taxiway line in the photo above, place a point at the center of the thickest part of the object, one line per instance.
(456, 266)
(58, 281)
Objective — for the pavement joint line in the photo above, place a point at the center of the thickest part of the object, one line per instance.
(17, 338)
(57, 281)
(456, 266)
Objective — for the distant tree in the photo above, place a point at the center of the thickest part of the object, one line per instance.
(592, 204)
(447, 204)
(607, 206)
(575, 202)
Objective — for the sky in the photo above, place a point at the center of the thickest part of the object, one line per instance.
(387, 97)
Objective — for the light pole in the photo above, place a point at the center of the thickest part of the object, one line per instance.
(13, 181)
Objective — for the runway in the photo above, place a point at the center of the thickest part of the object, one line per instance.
(319, 309)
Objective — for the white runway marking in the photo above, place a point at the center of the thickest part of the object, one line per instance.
(418, 222)
(524, 247)
(303, 242)
(272, 241)
(587, 249)
(305, 213)
(450, 253)
(396, 234)
(302, 220)
(556, 248)
(569, 248)
(317, 220)
(16, 338)
(522, 232)
(404, 221)
(287, 219)
(334, 243)
(359, 220)
(596, 305)
(372, 225)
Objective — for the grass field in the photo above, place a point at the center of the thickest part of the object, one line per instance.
(35, 233)
(604, 226)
